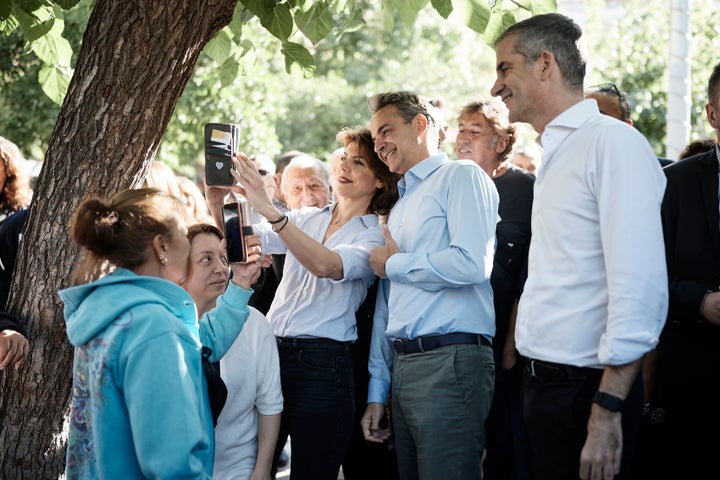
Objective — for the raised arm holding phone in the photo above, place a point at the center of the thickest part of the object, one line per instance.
(325, 279)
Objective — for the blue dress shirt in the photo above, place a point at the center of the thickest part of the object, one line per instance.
(444, 225)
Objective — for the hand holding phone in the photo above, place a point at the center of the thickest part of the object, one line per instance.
(237, 218)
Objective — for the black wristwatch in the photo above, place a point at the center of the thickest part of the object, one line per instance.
(607, 401)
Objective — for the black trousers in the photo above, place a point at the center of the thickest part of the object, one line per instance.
(556, 409)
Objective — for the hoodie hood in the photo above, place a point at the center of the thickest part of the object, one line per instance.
(89, 308)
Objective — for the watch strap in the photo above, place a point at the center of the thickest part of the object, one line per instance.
(607, 401)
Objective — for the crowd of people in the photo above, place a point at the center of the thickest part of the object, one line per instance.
(402, 314)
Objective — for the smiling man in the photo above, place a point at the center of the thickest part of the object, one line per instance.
(434, 317)
(596, 295)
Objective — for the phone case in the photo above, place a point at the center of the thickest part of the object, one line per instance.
(221, 140)
(234, 235)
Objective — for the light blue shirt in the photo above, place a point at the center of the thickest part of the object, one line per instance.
(444, 225)
(308, 306)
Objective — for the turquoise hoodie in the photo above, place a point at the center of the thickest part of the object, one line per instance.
(139, 403)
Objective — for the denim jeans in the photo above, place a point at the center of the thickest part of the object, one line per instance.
(318, 390)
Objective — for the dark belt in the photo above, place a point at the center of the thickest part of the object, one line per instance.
(558, 372)
(428, 342)
(300, 342)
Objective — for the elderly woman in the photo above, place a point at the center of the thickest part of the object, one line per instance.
(140, 405)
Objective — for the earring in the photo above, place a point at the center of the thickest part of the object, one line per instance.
(163, 260)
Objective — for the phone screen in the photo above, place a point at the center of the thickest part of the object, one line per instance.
(232, 226)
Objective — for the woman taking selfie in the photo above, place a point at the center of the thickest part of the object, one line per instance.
(325, 279)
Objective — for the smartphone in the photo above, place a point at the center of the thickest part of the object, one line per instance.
(221, 141)
(236, 225)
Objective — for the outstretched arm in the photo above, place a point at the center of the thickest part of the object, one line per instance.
(313, 255)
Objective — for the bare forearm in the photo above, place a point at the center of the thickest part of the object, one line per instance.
(268, 428)
(617, 380)
(316, 257)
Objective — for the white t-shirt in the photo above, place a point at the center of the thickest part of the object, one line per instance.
(251, 371)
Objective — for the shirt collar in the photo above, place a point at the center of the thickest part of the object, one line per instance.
(421, 171)
(574, 116)
(369, 219)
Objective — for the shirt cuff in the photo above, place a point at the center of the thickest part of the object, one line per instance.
(236, 294)
(395, 267)
(378, 391)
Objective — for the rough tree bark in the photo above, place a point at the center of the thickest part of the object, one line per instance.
(136, 58)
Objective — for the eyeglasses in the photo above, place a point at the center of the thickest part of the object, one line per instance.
(604, 88)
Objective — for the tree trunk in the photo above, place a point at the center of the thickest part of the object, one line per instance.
(136, 58)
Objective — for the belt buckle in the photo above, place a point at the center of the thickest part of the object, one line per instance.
(400, 347)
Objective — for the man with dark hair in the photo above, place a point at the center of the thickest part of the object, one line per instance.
(595, 299)
(688, 369)
(434, 317)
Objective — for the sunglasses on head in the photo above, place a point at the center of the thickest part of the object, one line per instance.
(605, 88)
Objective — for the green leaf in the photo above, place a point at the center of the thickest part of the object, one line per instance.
(241, 16)
(543, 6)
(443, 7)
(220, 46)
(54, 81)
(315, 23)
(297, 54)
(53, 49)
(5, 9)
(537, 7)
(498, 23)
(261, 8)
(473, 13)
(351, 23)
(67, 4)
(388, 19)
(279, 21)
(229, 71)
(10, 25)
(35, 23)
(408, 10)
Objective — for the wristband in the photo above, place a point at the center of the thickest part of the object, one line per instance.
(277, 220)
(281, 226)
(607, 401)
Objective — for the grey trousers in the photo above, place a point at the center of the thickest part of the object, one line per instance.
(440, 400)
